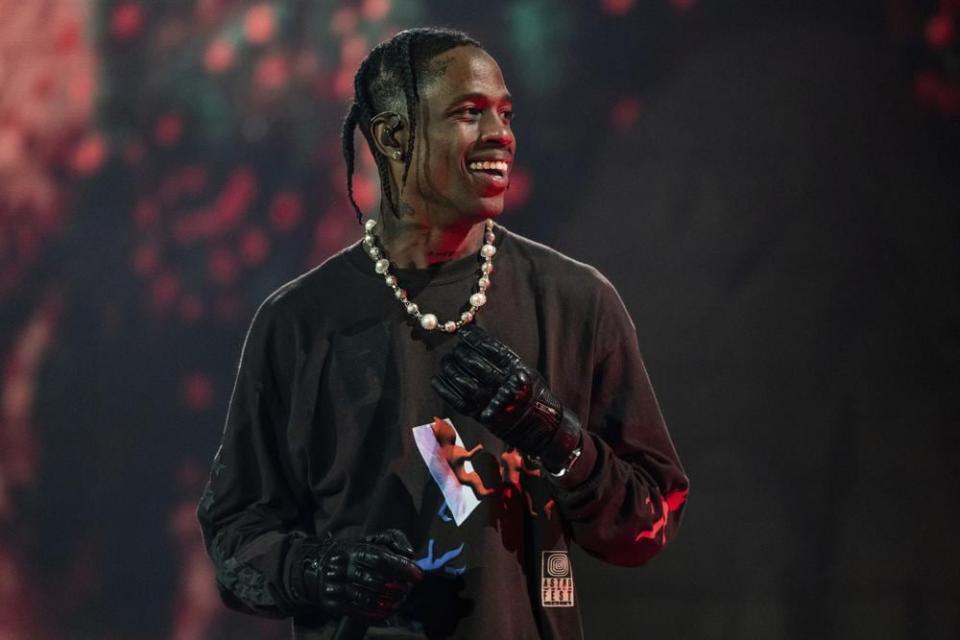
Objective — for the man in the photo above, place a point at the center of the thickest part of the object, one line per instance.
(415, 437)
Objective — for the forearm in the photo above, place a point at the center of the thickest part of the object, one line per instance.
(251, 556)
(623, 512)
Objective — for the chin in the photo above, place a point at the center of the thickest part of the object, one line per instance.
(474, 210)
(490, 207)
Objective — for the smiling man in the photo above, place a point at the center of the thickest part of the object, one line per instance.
(415, 438)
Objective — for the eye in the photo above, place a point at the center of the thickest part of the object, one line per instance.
(472, 112)
(507, 115)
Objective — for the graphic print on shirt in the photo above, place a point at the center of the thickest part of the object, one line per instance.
(448, 461)
(556, 579)
(672, 502)
(430, 562)
(513, 466)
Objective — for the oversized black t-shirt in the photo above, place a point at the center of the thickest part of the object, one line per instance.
(333, 429)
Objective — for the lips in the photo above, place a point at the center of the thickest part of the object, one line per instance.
(492, 175)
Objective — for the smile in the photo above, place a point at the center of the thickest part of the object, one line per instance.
(497, 167)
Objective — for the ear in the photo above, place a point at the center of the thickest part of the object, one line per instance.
(389, 132)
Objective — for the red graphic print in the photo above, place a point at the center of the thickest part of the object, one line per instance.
(512, 465)
(672, 502)
(456, 456)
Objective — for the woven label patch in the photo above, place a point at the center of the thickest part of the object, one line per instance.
(556, 580)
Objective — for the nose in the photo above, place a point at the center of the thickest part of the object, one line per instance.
(496, 130)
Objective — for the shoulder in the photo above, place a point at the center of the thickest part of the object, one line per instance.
(552, 267)
(292, 315)
(311, 290)
(576, 287)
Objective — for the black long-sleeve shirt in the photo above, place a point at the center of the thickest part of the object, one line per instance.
(333, 429)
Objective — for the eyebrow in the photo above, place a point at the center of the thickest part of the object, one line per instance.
(482, 97)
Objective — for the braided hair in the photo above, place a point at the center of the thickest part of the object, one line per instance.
(389, 79)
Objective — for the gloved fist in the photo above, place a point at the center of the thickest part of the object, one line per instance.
(485, 379)
(365, 579)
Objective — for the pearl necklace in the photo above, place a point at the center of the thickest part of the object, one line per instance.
(428, 320)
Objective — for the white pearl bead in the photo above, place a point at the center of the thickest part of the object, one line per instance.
(490, 237)
(374, 252)
(466, 317)
(428, 321)
(488, 250)
(483, 282)
(381, 266)
(412, 308)
(369, 225)
(449, 326)
(391, 280)
(369, 240)
(487, 268)
(401, 294)
(478, 300)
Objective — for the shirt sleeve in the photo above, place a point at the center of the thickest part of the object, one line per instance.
(623, 499)
(252, 523)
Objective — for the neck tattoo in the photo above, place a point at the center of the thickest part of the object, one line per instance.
(428, 320)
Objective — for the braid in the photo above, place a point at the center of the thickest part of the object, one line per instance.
(359, 116)
(388, 80)
(413, 103)
(346, 143)
(383, 170)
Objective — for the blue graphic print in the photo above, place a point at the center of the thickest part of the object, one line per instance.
(431, 563)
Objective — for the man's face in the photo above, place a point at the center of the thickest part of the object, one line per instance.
(461, 165)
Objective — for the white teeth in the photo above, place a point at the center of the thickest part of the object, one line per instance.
(498, 165)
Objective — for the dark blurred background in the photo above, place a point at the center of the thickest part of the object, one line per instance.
(774, 188)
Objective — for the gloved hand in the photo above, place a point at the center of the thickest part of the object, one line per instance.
(364, 579)
(485, 379)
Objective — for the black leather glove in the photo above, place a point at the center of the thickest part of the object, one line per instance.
(485, 379)
(365, 579)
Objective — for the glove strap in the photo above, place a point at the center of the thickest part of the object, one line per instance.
(574, 456)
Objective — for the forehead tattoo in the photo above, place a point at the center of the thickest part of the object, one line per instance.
(436, 69)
